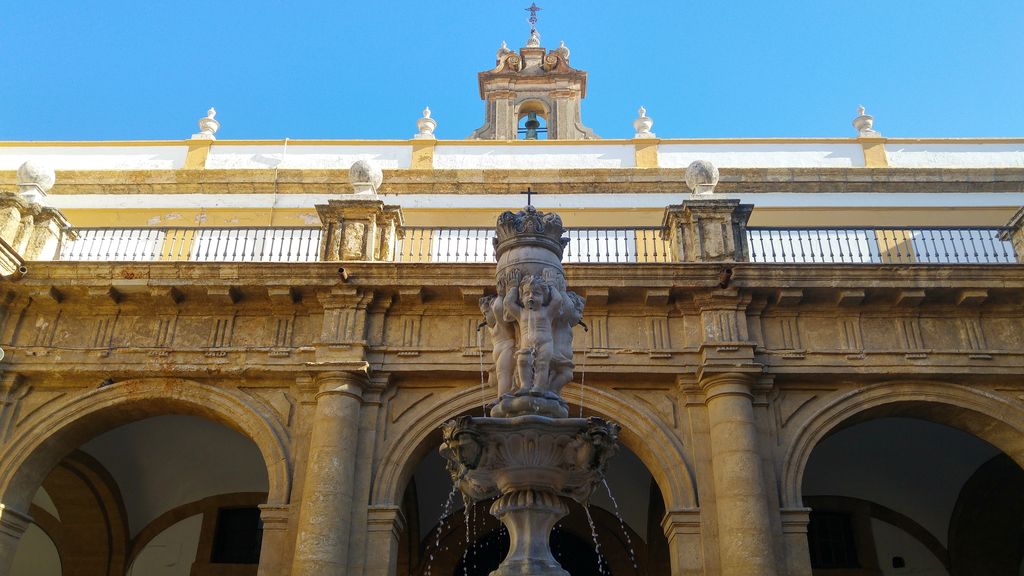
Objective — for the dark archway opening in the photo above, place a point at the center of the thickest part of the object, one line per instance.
(902, 494)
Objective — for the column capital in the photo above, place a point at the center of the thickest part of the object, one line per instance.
(795, 520)
(351, 382)
(685, 521)
(13, 523)
(275, 516)
(728, 383)
(386, 518)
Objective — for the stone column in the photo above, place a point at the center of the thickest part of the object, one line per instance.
(325, 516)
(274, 548)
(707, 231)
(744, 519)
(12, 526)
(384, 530)
(1016, 234)
(683, 531)
(794, 533)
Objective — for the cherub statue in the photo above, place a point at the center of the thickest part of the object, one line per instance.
(562, 364)
(503, 342)
(533, 303)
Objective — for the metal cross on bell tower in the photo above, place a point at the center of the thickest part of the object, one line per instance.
(533, 9)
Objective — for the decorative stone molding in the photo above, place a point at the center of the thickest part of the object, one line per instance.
(707, 230)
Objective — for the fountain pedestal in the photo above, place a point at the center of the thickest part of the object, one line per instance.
(529, 516)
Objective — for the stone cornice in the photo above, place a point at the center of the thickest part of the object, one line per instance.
(130, 277)
(546, 181)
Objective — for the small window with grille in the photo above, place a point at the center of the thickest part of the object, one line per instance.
(831, 541)
(237, 537)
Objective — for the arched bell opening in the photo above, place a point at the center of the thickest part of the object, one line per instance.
(533, 120)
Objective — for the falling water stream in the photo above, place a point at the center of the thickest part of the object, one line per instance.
(467, 513)
(593, 534)
(622, 524)
(445, 512)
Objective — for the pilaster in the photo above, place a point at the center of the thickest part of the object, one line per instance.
(32, 230)
(707, 231)
(794, 533)
(1016, 234)
(874, 152)
(384, 528)
(274, 549)
(360, 229)
(645, 152)
(13, 525)
(682, 529)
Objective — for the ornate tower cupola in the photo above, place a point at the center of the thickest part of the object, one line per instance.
(533, 94)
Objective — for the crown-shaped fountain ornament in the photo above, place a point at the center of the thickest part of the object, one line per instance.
(529, 454)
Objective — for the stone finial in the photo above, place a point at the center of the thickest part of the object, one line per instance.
(643, 124)
(701, 177)
(534, 40)
(35, 180)
(207, 126)
(426, 126)
(365, 177)
(864, 123)
(502, 51)
(562, 50)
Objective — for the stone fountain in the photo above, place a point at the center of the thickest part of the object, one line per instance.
(529, 454)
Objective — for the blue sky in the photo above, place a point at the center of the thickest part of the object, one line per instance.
(148, 69)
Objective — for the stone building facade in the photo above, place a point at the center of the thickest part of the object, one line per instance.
(234, 357)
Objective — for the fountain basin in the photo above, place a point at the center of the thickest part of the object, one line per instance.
(530, 464)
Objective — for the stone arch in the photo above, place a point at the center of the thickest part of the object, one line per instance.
(643, 432)
(987, 416)
(41, 442)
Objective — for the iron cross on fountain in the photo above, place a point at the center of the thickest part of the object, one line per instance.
(533, 9)
(529, 196)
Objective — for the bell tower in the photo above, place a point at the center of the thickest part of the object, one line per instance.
(533, 94)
